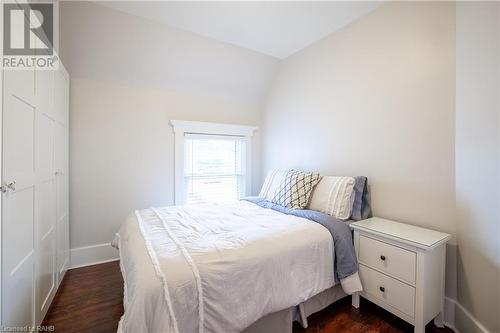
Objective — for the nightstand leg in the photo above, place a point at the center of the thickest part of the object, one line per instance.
(355, 300)
(419, 328)
(439, 321)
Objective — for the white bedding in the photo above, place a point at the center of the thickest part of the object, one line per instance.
(218, 268)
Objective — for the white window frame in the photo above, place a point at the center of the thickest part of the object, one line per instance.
(181, 127)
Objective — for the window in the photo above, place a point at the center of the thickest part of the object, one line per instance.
(214, 168)
(212, 162)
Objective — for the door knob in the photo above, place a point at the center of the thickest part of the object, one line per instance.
(12, 186)
(5, 187)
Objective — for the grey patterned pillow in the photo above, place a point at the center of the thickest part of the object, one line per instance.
(296, 188)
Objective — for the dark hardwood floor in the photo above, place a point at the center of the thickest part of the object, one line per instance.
(90, 300)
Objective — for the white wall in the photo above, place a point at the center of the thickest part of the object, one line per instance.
(130, 76)
(376, 99)
(104, 44)
(477, 164)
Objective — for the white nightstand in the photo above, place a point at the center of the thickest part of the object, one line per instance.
(401, 267)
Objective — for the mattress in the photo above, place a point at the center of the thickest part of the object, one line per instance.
(218, 268)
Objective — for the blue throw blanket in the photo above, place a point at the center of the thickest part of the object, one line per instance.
(345, 262)
(361, 206)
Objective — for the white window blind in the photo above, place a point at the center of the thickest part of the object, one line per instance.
(214, 168)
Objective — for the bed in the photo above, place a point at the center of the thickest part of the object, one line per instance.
(246, 267)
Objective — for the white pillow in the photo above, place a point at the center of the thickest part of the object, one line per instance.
(272, 183)
(334, 196)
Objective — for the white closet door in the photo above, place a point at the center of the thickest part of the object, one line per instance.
(18, 201)
(61, 161)
(45, 201)
(62, 96)
(62, 202)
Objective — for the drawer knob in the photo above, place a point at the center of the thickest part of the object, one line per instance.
(382, 258)
(382, 289)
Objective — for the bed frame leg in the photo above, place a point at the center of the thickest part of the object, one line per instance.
(355, 300)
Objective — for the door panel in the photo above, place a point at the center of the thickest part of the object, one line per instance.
(62, 200)
(63, 247)
(61, 97)
(18, 202)
(45, 264)
(44, 147)
(18, 227)
(44, 91)
(45, 201)
(18, 137)
(46, 208)
(46, 274)
(61, 171)
(18, 311)
(21, 84)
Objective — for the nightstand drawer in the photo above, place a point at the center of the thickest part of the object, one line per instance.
(388, 258)
(395, 293)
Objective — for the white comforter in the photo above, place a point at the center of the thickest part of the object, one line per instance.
(211, 268)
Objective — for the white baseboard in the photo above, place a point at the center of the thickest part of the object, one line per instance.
(449, 314)
(466, 322)
(92, 255)
(459, 319)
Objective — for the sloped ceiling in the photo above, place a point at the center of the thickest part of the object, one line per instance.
(276, 28)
